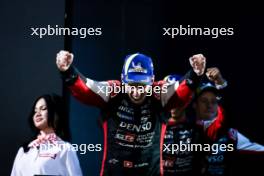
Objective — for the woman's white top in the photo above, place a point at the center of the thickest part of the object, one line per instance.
(47, 156)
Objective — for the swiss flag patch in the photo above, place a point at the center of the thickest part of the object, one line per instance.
(128, 164)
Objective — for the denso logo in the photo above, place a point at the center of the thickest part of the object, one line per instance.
(137, 128)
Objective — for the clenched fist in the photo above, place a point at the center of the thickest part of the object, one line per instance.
(198, 63)
(214, 74)
(64, 60)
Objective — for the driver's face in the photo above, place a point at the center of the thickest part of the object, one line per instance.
(206, 106)
(177, 113)
(136, 92)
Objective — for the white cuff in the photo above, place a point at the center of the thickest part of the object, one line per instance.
(221, 86)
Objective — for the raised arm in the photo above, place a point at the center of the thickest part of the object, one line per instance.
(221, 122)
(84, 89)
(180, 94)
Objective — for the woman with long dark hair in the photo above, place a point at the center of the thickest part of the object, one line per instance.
(49, 153)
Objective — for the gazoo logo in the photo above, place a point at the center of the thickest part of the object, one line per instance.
(137, 128)
(137, 68)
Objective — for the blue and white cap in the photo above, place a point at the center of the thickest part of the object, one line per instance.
(206, 86)
(172, 78)
(138, 68)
